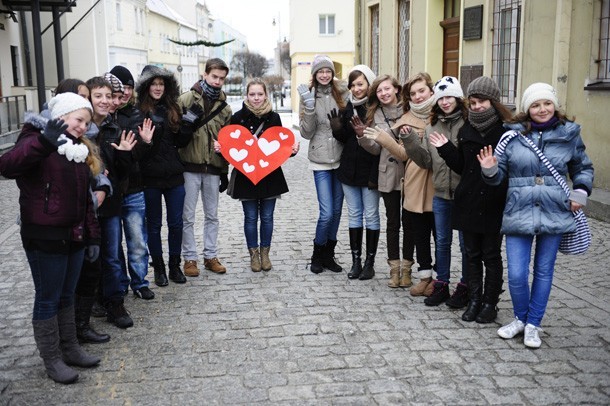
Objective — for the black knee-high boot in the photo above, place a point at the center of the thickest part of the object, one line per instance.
(355, 244)
(372, 240)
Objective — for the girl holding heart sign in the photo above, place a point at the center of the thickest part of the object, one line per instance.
(258, 200)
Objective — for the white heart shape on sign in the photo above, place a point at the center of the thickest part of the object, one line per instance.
(263, 164)
(283, 136)
(248, 168)
(267, 147)
(250, 142)
(235, 134)
(238, 155)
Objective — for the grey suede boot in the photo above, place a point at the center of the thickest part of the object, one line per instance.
(71, 350)
(46, 334)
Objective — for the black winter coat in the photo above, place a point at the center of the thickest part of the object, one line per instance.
(117, 163)
(271, 185)
(478, 207)
(129, 118)
(162, 167)
(358, 167)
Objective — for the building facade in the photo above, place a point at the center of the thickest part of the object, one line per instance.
(320, 27)
(516, 42)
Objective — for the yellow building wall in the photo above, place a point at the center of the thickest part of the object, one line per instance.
(479, 51)
(159, 26)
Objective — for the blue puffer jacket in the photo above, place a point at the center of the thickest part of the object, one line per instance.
(533, 208)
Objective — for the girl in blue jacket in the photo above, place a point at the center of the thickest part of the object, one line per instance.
(536, 206)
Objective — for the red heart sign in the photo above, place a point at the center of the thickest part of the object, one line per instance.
(255, 158)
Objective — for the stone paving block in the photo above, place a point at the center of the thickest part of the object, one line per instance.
(338, 390)
(289, 392)
(502, 396)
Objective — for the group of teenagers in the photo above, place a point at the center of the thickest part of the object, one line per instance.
(108, 154)
(429, 152)
(101, 161)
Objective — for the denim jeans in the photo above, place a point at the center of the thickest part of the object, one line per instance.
(529, 307)
(330, 201)
(444, 236)
(252, 210)
(174, 204)
(55, 277)
(133, 217)
(114, 277)
(206, 185)
(362, 202)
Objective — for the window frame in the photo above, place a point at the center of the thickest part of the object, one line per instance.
(326, 18)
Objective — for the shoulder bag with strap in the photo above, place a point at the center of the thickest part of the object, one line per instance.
(573, 243)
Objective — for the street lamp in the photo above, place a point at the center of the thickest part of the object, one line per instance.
(279, 56)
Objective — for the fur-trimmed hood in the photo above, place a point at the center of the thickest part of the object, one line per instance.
(37, 120)
(150, 72)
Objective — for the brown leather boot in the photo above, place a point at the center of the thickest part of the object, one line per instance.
(425, 284)
(214, 265)
(265, 261)
(255, 259)
(190, 268)
(394, 273)
(405, 273)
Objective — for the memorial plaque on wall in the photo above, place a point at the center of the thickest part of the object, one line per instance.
(473, 23)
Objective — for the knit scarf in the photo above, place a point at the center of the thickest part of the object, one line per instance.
(450, 118)
(357, 102)
(423, 109)
(544, 126)
(213, 93)
(261, 110)
(73, 152)
(482, 121)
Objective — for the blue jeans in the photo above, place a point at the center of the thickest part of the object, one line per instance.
(529, 307)
(133, 217)
(330, 201)
(114, 278)
(252, 210)
(362, 201)
(55, 277)
(174, 204)
(444, 236)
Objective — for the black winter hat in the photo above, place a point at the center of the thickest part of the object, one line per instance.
(124, 75)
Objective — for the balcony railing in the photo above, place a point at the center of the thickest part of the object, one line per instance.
(11, 113)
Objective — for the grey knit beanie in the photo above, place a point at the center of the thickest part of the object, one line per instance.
(485, 87)
(322, 61)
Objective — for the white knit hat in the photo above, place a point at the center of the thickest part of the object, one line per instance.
(366, 71)
(448, 86)
(538, 91)
(68, 102)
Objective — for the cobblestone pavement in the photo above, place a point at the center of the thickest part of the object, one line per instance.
(291, 337)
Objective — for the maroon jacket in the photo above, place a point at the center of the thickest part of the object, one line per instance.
(54, 200)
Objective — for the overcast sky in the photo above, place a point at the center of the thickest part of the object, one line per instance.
(254, 19)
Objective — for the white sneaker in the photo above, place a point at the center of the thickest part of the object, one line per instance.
(532, 338)
(512, 329)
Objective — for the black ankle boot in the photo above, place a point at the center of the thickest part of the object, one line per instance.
(82, 314)
(355, 243)
(328, 260)
(316, 258)
(472, 311)
(160, 275)
(175, 273)
(372, 240)
(488, 313)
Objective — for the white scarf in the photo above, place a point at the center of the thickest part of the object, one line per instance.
(73, 152)
(423, 109)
